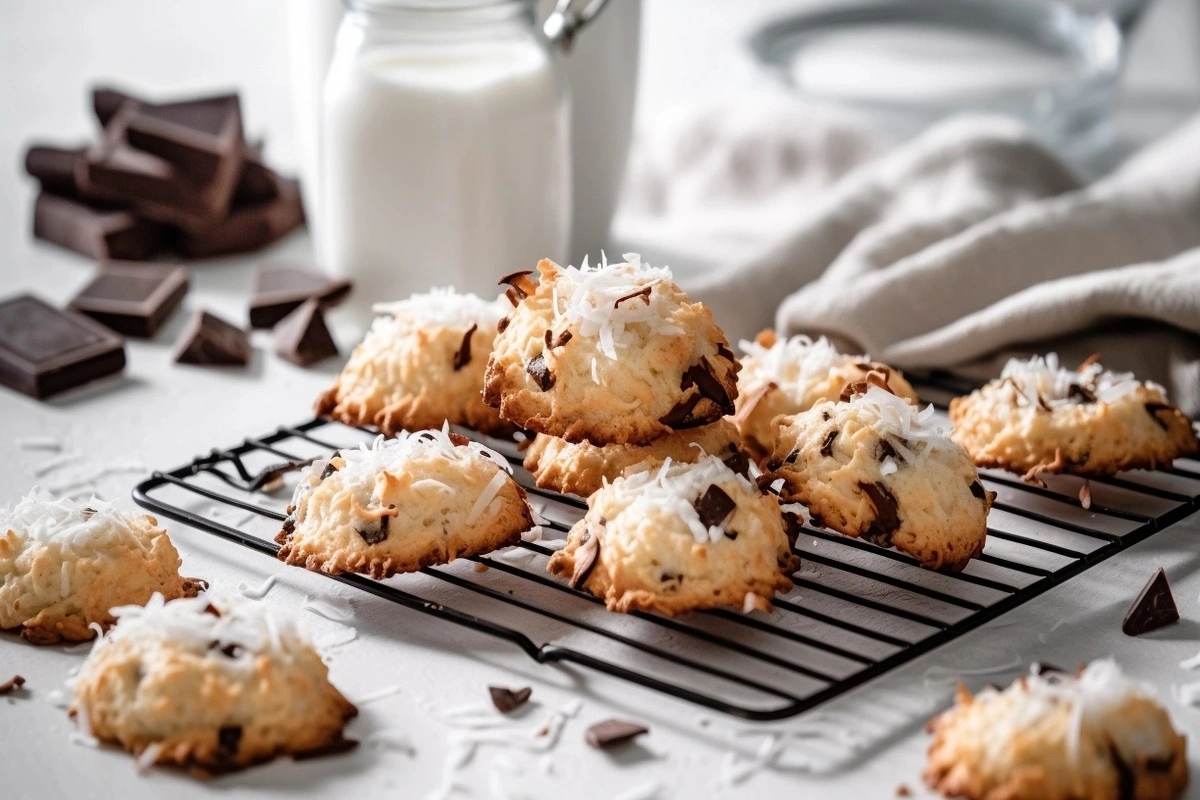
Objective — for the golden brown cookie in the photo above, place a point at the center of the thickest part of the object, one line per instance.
(1056, 736)
(582, 468)
(402, 504)
(64, 564)
(787, 376)
(877, 467)
(679, 537)
(1040, 418)
(209, 685)
(420, 365)
(612, 354)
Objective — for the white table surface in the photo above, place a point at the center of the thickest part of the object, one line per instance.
(159, 415)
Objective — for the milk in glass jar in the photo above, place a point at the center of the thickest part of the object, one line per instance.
(444, 147)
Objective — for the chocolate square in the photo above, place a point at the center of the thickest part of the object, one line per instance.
(280, 288)
(251, 225)
(211, 341)
(131, 298)
(98, 233)
(44, 351)
(202, 137)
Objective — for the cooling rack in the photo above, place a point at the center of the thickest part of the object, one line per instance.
(857, 610)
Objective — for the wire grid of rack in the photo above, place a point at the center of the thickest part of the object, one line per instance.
(857, 610)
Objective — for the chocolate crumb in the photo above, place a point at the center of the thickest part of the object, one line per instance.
(887, 517)
(827, 445)
(825, 417)
(330, 468)
(586, 556)
(731, 535)
(903, 791)
(644, 293)
(1154, 608)
(502, 325)
(463, 356)
(229, 738)
(714, 506)
(1042, 402)
(540, 372)
(508, 700)
(553, 342)
(375, 536)
(1153, 408)
(519, 282)
(885, 451)
(739, 463)
(613, 732)
(211, 609)
(12, 684)
(874, 377)
(1081, 392)
(456, 439)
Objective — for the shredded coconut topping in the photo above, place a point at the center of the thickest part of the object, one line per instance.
(793, 364)
(605, 300)
(440, 307)
(1040, 380)
(71, 523)
(676, 488)
(910, 431)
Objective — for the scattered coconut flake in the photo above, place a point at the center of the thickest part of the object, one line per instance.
(1191, 663)
(326, 610)
(941, 674)
(534, 534)
(46, 467)
(487, 495)
(750, 602)
(39, 443)
(260, 591)
(643, 791)
(391, 739)
(347, 635)
(736, 770)
(387, 691)
(147, 757)
(777, 485)
(1188, 694)
(909, 430)
(58, 698)
(82, 739)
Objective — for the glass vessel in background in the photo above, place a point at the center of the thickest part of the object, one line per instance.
(445, 139)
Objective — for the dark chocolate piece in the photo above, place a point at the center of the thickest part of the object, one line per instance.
(827, 445)
(1154, 608)
(519, 282)
(613, 732)
(249, 226)
(502, 325)
(702, 376)
(210, 340)
(1153, 408)
(202, 137)
(12, 684)
(463, 356)
(643, 293)
(96, 232)
(508, 700)
(540, 372)
(133, 299)
(553, 341)
(887, 517)
(1080, 391)
(53, 167)
(978, 490)
(586, 556)
(375, 536)
(303, 338)
(680, 416)
(714, 506)
(107, 101)
(280, 288)
(738, 462)
(257, 184)
(44, 351)
(229, 738)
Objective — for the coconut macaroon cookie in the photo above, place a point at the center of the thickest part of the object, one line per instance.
(877, 467)
(64, 564)
(421, 364)
(1038, 417)
(402, 504)
(209, 685)
(582, 468)
(609, 354)
(1057, 736)
(790, 375)
(679, 537)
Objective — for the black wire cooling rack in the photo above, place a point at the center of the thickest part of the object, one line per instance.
(857, 611)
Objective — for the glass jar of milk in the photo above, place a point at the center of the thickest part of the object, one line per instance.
(444, 147)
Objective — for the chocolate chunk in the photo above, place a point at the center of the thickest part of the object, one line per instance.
(552, 341)
(681, 415)
(978, 490)
(44, 351)
(54, 168)
(586, 556)
(1126, 777)
(724, 352)
(502, 325)
(520, 283)
(540, 372)
(107, 101)
(1154, 608)
(375, 536)
(202, 137)
(229, 738)
(214, 611)
(329, 470)
(827, 445)
(714, 506)
(98, 233)
(258, 183)
(303, 338)
(702, 376)
(289, 527)
(613, 732)
(884, 450)
(509, 700)
(131, 298)
(792, 526)
(731, 535)
(887, 517)
(1153, 408)
(643, 293)
(210, 340)
(463, 356)
(12, 684)
(1080, 392)
(336, 747)
(282, 287)
(739, 463)
(250, 225)
(457, 439)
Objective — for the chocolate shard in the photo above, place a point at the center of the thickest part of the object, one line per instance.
(1080, 392)
(211, 341)
(44, 351)
(1154, 608)
(303, 338)
(201, 136)
(251, 224)
(99, 233)
(978, 491)
(738, 462)
(280, 287)
(54, 168)
(12, 684)
(107, 101)
(508, 700)
(612, 732)
(887, 517)
(378, 534)
(133, 299)
(553, 341)
(643, 293)
(874, 377)
(1153, 408)
(827, 444)
(520, 283)
(229, 738)
(502, 325)
(714, 506)
(463, 356)
(680, 416)
(701, 375)
(586, 556)
(540, 372)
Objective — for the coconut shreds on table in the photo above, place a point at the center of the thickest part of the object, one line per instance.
(441, 307)
(1040, 379)
(585, 299)
(793, 364)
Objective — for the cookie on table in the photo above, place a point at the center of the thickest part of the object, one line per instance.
(582, 468)
(209, 685)
(1057, 736)
(609, 354)
(401, 504)
(678, 537)
(65, 563)
(421, 364)
(1041, 418)
(790, 375)
(878, 468)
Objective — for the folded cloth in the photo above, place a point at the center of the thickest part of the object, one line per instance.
(972, 243)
